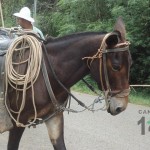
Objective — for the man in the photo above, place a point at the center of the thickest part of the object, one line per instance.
(25, 20)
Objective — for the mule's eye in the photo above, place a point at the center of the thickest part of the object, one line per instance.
(116, 67)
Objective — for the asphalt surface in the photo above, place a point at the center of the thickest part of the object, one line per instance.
(93, 131)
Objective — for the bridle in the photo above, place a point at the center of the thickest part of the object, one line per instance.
(101, 55)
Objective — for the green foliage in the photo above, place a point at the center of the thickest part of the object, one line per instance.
(12, 6)
(140, 96)
(60, 17)
(82, 87)
(75, 16)
(139, 32)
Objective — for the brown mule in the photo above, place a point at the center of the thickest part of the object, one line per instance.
(105, 56)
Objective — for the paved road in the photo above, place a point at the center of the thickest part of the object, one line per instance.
(93, 131)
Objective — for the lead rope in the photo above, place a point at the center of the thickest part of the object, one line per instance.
(26, 80)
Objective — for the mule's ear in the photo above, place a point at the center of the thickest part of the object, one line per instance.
(120, 28)
(112, 40)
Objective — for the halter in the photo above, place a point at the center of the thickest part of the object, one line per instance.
(101, 53)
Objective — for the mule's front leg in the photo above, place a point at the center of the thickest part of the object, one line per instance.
(14, 138)
(55, 128)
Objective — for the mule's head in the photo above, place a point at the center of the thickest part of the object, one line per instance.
(114, 61)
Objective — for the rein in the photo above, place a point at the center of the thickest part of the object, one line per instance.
(61, 84)
(102, 51)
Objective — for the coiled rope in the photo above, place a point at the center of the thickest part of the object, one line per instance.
(22, 82)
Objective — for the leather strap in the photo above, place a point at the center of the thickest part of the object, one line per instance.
(48, 85)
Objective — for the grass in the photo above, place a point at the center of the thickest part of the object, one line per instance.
(139, 96)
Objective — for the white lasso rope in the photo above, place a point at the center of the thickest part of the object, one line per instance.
(26, 80)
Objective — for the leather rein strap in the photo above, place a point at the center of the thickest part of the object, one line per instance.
(50, 91)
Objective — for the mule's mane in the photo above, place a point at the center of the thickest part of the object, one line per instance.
(74, 35)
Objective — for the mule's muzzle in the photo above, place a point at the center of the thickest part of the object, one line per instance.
(117, 111)
(117, 105)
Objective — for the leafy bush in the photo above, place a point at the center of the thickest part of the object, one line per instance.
(61, 17)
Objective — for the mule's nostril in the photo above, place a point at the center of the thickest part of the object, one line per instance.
(118, 109)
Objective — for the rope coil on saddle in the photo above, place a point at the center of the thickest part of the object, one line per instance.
(23, 81)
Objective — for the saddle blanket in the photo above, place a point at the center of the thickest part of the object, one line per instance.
(5, 120)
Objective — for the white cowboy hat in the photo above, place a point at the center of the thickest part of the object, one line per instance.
(25, 13)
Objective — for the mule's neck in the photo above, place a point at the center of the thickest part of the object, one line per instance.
(66, 56)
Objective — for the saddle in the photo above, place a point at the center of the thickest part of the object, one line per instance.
(5, 41)
(5, 120)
